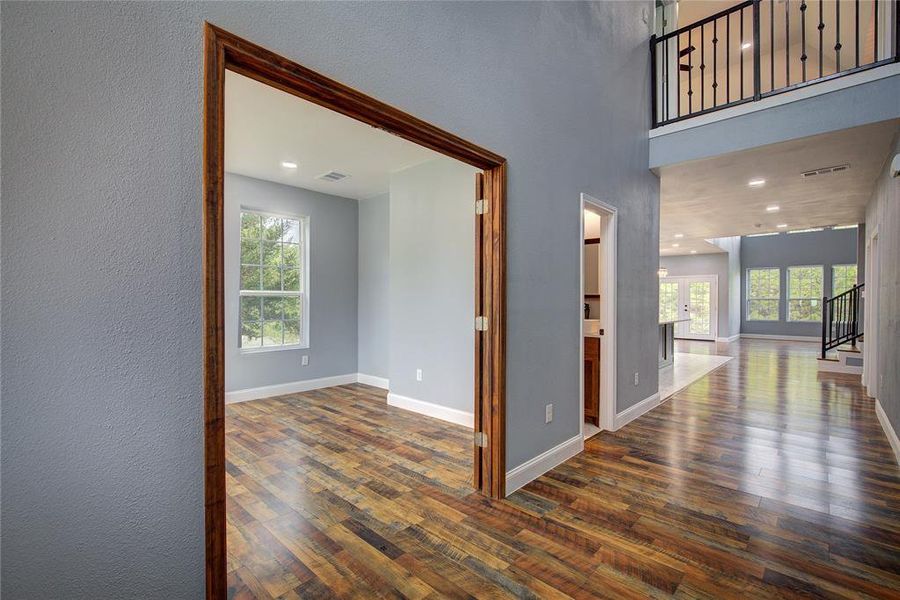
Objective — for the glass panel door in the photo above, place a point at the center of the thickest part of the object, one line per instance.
(699, 308)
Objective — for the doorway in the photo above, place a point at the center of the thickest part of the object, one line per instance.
(223, 52)
(597, 315)
(693, 302)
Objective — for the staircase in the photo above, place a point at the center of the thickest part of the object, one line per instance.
(842, 336)
(843, 359)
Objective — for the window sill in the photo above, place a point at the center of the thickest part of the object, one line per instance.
(267, 349)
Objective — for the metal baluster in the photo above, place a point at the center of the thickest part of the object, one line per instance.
(690, 74)
(830, 322)
(856, 37)
(824, 323)
(654, 117)
(742, 54)
(728, 58)
(715, 84)
(803, 56)
(678, 76)
(837, 36)
(787, 42)
(821, 35)
(772, 43)
(757, 67)
(702, 68)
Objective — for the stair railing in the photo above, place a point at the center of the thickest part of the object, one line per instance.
(840, 319)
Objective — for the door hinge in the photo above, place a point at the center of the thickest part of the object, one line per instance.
(481, 323)
(481, 439)
(481, 207)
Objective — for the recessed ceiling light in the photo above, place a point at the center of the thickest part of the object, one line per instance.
(675, 245)
(756, 182)
(781, 225)
(288, 164)
(773, 208)
(693, 252)
(679, 235)
(745, 45)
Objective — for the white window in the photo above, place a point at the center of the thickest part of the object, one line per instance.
(274, 301)
(843, 277)
(805, 293)
(668, 300)
(763, 294)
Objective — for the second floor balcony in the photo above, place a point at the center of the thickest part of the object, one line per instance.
(760, 48)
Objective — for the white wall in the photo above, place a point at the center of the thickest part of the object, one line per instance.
(883, 220)
(374, 277)
(706, 264)
(432, 283)
(106, 207)
(332, 285)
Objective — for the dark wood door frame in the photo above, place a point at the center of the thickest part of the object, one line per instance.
(225, 51)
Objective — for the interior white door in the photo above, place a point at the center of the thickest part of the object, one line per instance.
(697, 301)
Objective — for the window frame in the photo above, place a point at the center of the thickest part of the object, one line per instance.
(788, 297)
(833, 278)
(303, 294)
(776, 299)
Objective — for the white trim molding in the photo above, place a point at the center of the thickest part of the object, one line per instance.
(379, 382)
(444, 413)
(728, 340)
(292, 387)
(888, 430)
(787, 338)
(630, 414)
(540, 464)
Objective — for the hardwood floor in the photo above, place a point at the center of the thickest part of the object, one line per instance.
(762, 479)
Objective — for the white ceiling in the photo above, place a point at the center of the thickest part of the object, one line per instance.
(265, 126)
(710, 198)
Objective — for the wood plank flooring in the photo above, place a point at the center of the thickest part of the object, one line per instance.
(763, 479)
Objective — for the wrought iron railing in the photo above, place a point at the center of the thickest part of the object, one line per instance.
(759, 48)
(840, 319)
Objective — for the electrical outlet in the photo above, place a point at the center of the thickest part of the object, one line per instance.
(418, 374)
(548, 413)
(637, 378)
(304, 360)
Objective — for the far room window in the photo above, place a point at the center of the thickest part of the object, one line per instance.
(805, 293)
(843, 277)
(273, 295)
(763, 294)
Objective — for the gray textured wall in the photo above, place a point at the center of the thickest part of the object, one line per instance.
(883, 217)
(869, 102)
(332, 285)
(432, 283)
(374, 280)
(102, 456)
(706, 264)
(825, 248)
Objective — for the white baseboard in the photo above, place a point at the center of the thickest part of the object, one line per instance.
(453, 415)
(888, 430)
(379, 382)
(630, 414)
(787, 338)
(291, 387)
(727, 340)
(540, 464)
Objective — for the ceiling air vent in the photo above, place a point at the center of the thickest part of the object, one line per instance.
(825, 171)
(332, 176)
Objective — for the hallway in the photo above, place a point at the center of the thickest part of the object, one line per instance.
(762, 479)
